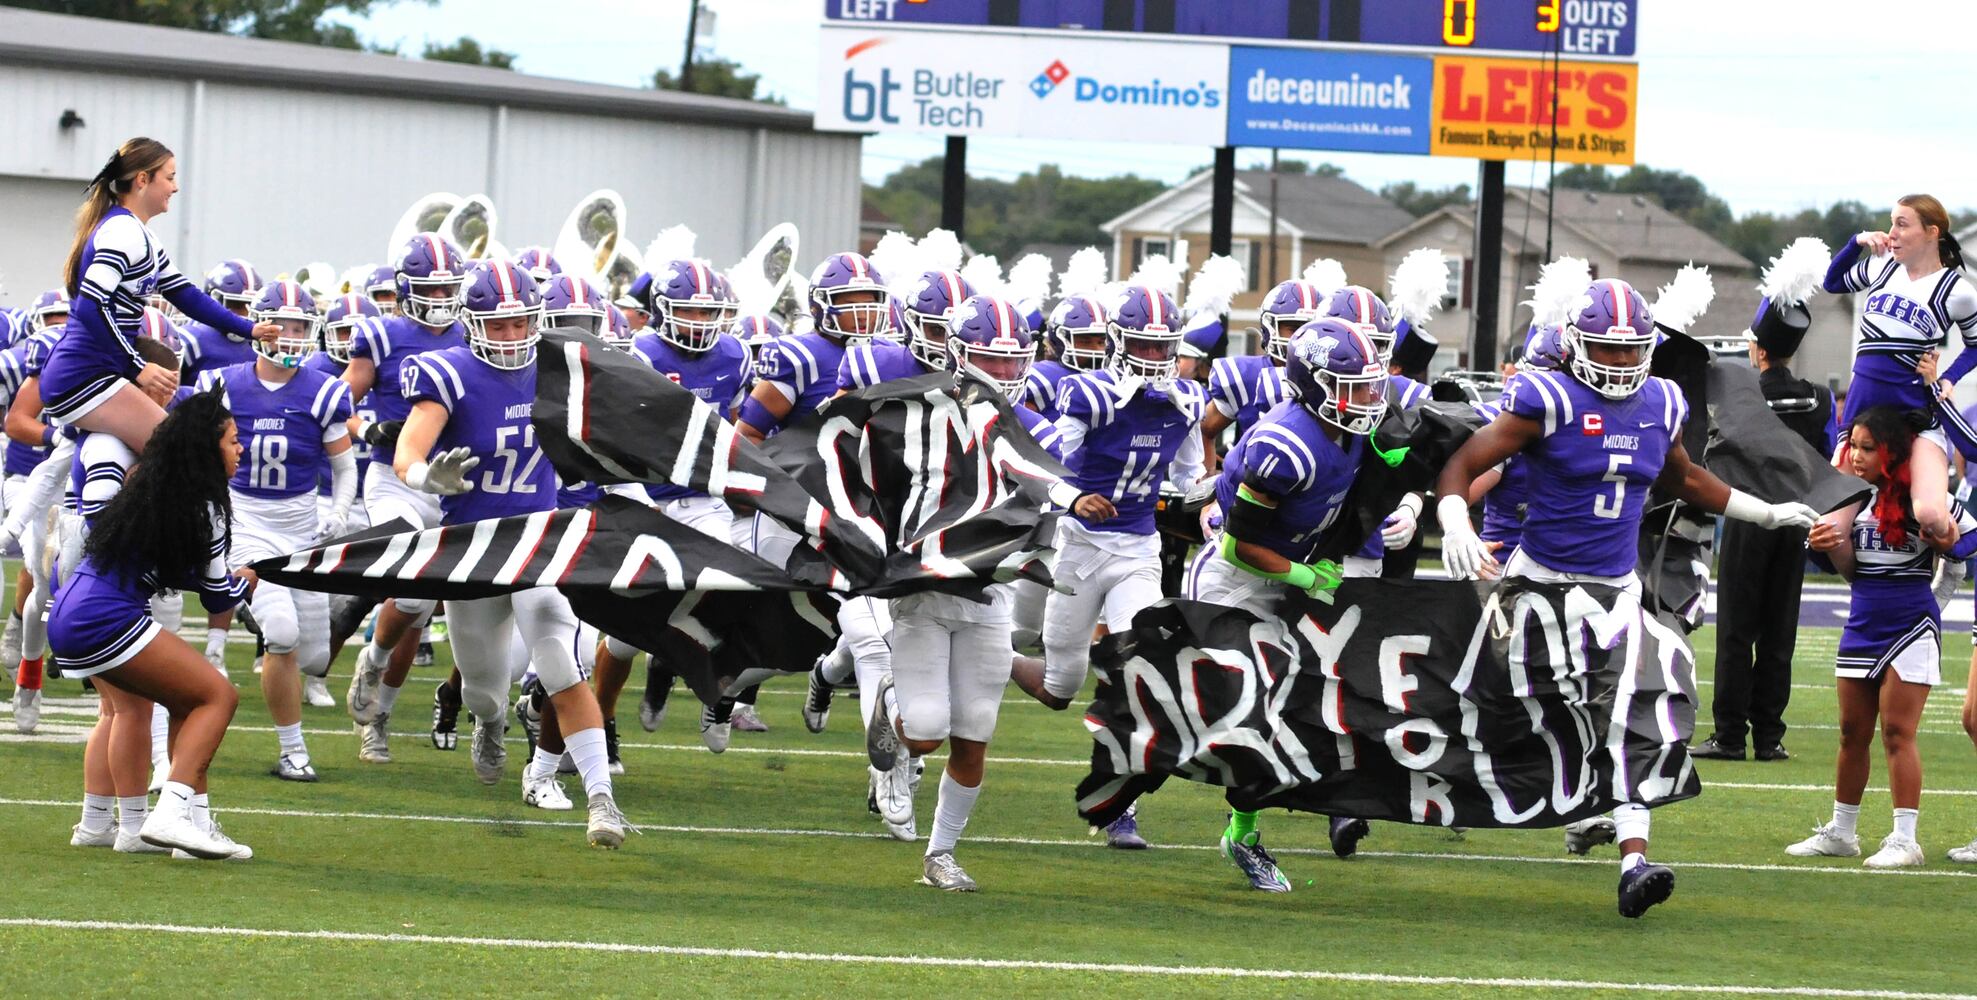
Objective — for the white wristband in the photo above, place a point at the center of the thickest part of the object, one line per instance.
(415, 477)
(1064, 494)
(1743, 507)
(1412, 503)
(1451, 513)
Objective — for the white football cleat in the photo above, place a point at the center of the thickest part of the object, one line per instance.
(130, 843)
(81, 837)
(183, 833)
(544, 793)
(490, 756)
(1965, 855)
(316, 692)
(1896, 852)
(894, 790)
(607, 825)
(362, 698)
(27, 709)
(1825, 842)
(717, 725)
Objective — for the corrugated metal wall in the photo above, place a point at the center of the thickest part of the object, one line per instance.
(283, 177)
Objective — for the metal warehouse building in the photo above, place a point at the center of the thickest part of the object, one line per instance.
(296, 153)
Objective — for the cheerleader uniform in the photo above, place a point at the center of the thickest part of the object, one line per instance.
(1893, 621)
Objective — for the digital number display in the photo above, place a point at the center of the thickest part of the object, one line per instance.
(1601, 28)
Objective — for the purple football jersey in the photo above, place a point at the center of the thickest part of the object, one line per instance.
(489, 410)
(209, 350)
(1245, 388)
(388, 346)
(1288, 456)
(875, 361)
(718, 376)
(1040, 386)
(805, 367)
(1128, 444)
(281, 429)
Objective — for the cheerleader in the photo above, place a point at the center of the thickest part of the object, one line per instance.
(1914, 293)
(168, 527)
(93, 378)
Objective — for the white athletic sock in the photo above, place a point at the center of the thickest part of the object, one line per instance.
(131, 811)
(1629, 862)
(1846, 818)
(202, 811)
(291, 739)
(96, 811)
(543, 764)
(951, 812)
(161, 733)
(869, 676)
(387, 697)
(175, 799)
(586, 747)
(216, 641)
(839, 665)
(1905, 823)
(1630, 822)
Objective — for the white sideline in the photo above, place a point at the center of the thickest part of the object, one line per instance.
(1094, 843)
(936, 961)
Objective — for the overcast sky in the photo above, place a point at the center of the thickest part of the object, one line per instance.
(1775, 104)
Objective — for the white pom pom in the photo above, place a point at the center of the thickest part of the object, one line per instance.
(1795, 274)
(898, 261)
(1161, 274)
(1560, 285)
(1215, 286)
(672, 243)
(1684, 300)
(983, 273)
(1419, 285)
(1029, 281)
(1083, 274)
(940, 251)
(1327, 275)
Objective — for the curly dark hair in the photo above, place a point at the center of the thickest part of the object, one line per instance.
(162, 518)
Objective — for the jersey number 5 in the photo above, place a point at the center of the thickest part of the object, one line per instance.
(1615, 464)
(507, 456)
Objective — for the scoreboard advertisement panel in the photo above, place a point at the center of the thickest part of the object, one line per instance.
(1600, 28)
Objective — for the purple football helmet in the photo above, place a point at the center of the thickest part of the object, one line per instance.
(1144, 335)
(690, 304)
(1359, 308)
(837, 280)
(926, 312)
(50, 310)
(1289, 306)
(617, 328)
(1611, 315)
(235, 284)
(431, 271)
(990, 339)
(157, 326)
(1335, 372)
(288, 305)
(382, 287)
(340, 324)
(568, 300)
(1544, 349)
(540, 264)
(1078, 320)
(497, 290)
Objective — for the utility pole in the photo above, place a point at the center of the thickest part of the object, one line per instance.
(692, 32)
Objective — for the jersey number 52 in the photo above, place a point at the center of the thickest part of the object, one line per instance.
(503, 478)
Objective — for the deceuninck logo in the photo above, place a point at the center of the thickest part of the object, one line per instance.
(1047, 81)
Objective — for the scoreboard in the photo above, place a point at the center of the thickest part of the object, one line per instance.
(1576, 28)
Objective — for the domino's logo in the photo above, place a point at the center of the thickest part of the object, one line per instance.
(1047, 81)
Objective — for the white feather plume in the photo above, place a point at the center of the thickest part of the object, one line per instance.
(1327, 275)
(1797, 271)
(1560, 285)
(898, 260)
(672, 243)
(1029, 281)
(940, 250)
(1418, 286)
(984, 274)
(1161, 274)
(1083, 274)
(1684, 300)
(1215, 286)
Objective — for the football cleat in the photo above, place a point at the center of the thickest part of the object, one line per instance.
(1896, 851)
(528, 711)
(817, 700)
(490, 756)
(1826, 842)
(717, 725)
(607, 825)
(652, 707)
(895, 791)
(1123, 834)
(10, 640)
(445, 717)
(1586, 834)
(183, 833)
(423, 656)
(131, 843)
(1256, 864)
(881, 739)
(745, 720)
(362, 698)
(940, 870)
(1965, 855)
(79, 836)
(544, 793)
(27, 709)
(296, 767)
(1643, 886)
(374, 740)
(1346, 833)
(316, 692)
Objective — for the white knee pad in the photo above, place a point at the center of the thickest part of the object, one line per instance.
(274, 608)
(548, 629)
(482, 634)
(312, 650)
(419, 608)
(619, 648)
